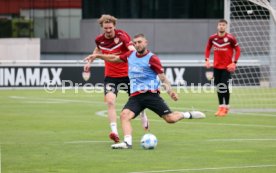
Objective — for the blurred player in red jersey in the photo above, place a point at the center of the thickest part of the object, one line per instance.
(116, 42)
(224, 44)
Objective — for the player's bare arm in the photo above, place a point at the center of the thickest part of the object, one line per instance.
(131, 48)
(167, 86)
(97, 51)
(88, 60)
(207, 54)
(105, 57)
(207, 63)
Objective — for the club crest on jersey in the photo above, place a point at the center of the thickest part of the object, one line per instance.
(225, 39)
(116, 40)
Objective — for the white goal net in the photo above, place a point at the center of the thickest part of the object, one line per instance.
(253, 22)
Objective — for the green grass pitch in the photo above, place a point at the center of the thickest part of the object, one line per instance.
(67, 133)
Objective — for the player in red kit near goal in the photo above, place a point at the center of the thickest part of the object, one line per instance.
(116, 42)
(224, 45)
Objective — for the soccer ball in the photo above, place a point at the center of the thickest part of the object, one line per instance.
(148, 141)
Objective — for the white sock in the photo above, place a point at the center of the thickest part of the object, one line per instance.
(186, 115)
(113, 127)
(128, 139)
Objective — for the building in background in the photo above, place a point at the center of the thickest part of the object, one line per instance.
(153, 9)
(55, 19)
(67, 28)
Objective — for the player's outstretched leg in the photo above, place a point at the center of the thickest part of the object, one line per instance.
(176, 116)
(110, 99)
(144, 120)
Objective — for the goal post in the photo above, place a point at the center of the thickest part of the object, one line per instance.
(266, 4)
(253, 22)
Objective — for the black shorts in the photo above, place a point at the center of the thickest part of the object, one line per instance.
(112, 84)
(222, 76)
(148, 100)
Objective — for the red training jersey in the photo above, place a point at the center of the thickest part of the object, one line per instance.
(223, 50)
(117, 46)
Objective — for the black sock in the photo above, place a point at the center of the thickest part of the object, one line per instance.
(227, 97)
(220, 98)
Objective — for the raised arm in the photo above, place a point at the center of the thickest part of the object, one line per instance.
(86, 67)
(105, 57)
(96, 51)
(167, 86)
(131, 48)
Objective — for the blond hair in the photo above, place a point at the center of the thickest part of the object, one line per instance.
(106, 18)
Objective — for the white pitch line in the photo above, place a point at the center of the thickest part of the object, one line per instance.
(118, 104)
(237, 140)
(17, 97)
(40, 102)
(103, 113)
(58, 100)
(239, 125)
(84, 142)
(53, 143)
(205, 169)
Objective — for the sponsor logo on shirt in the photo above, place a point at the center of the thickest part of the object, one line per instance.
(220, 49)
(136, 69)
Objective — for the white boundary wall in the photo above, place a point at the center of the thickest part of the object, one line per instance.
(20, 49)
